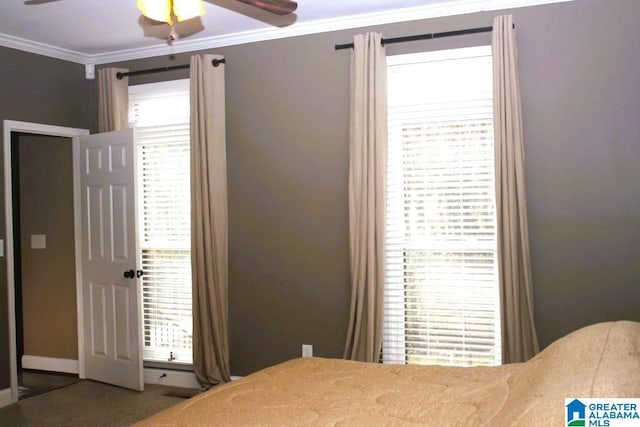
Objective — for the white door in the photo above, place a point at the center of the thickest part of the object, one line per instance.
(110, 286)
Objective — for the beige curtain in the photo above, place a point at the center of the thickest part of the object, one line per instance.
(209, 221)
(367, 190)
(113, 100)
(519, 338)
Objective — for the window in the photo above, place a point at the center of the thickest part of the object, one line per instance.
(441, 290)
(159, 112)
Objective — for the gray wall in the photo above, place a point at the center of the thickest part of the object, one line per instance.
(287, 121)
(582, 104)
(287, 126)
(48, 275)
(36, 89)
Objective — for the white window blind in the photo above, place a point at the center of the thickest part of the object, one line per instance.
(441, 291)
(160, 114)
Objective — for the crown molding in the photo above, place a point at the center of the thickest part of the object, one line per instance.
(42, 49)
(435, 10)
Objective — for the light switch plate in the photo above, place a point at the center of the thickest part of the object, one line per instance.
(38, 241)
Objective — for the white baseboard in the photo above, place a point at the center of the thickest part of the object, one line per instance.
(5, 397)
(52, 364)
(173, 378)
(170, 377)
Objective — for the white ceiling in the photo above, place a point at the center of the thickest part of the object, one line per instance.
(101, 31)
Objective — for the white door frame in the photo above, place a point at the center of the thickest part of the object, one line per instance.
(40, 129)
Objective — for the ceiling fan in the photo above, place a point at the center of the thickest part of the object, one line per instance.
(167, 10)
(279, 7)
(170, 11)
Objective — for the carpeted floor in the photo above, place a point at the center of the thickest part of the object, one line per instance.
(89, 403)
(32, 383)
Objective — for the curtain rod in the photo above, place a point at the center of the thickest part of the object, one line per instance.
(423, 37)
(214, 62)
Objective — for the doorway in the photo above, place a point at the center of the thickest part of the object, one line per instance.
(39, 241)
(44, 263)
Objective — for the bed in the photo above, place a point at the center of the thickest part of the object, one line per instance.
(601, 360)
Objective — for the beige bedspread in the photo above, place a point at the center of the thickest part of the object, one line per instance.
(601, 360)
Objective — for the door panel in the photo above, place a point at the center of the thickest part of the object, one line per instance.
(122, 350)
(95, 225)
(98, 318)
(119, 211)
(113, 338)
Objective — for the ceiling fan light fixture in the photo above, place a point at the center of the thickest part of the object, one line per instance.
(187, 9)
(158, 10)
(166, 10)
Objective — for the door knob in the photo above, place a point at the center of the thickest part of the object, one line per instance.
(129, 274)
(139, 273)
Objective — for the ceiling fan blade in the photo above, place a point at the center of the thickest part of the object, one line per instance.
(279, 7)
(31, 2)
(149, 21)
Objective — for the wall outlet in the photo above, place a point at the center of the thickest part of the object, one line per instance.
(307, 350)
